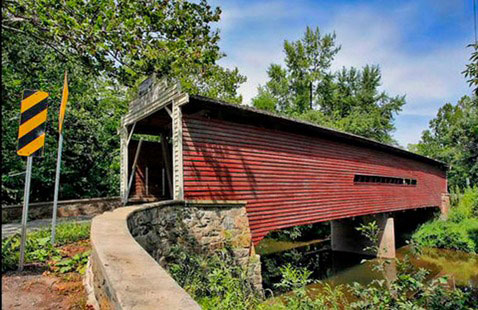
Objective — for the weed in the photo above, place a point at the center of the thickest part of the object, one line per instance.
(77, 263)
(38, 248)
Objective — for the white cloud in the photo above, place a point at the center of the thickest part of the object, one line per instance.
(422, 77)
(252, 37)
(253, 63)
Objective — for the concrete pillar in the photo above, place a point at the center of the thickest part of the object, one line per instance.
(386, 239)
(346, 238)
(123, 132)
(445, 205)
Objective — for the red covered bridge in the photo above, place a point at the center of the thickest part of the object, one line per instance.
(288, 172)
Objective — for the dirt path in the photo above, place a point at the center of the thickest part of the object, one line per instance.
(38, 287)
(35, 289)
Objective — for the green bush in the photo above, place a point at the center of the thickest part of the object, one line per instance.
(448, 235)
(410, 290)
(215, 281)
(466, 205)
(38, 248)
(294, 281)
(460, 231)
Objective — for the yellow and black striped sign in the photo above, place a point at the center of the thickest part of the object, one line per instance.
(31, 134)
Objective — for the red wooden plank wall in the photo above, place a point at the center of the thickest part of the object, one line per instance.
(290, 179)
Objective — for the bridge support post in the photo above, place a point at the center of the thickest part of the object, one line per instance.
(346, 238)
(445, 206)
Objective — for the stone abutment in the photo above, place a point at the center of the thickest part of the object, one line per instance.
(130, 246)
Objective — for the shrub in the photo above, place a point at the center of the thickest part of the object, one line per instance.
(215, 281)
(448, 235)
(466, 205)
(409, 289)
(460, 231)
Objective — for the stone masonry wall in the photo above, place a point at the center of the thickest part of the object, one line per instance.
(121, 275)
(39, 210)
(210, 224)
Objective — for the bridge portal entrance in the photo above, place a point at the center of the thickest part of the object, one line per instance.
(148, 147)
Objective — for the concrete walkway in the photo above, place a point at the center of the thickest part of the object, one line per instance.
(13, 228)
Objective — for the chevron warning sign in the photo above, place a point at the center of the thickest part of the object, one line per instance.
(31, 134)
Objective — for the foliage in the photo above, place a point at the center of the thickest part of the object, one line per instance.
(466, 206)
(301, 233)
(283, 241)
(128, 40)
(77, 263)
(215, 281)
(272, 265)
(38, 248)
(90, 162)
(448, 235)
(347, 100)
(471, 71)
(105, 46)
(372, 233)
(459, 232)
(409, 290)
(453, 139)
(295, 281)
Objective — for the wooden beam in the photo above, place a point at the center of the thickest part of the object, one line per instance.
(131, 134)
(167, 162)
(133, 169)
(169, 111)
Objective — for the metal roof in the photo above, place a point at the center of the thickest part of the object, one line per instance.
(310, 128)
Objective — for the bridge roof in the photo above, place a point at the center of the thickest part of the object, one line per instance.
(257, 116)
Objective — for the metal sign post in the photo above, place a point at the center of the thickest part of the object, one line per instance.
(57, 186)
(61, 118)
(26, 198)
(31, 142)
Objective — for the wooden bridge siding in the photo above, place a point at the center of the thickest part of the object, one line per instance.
(290, 179)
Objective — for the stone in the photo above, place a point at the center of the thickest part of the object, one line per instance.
(157, 229)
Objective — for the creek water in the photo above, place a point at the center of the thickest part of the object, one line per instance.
(338, 268)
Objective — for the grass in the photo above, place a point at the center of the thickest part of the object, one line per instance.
(38, 248)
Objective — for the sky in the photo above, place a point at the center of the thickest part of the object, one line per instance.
(420, 46)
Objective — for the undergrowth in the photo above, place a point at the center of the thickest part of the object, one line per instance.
(460, 231)
(215, 281)
(39, 250)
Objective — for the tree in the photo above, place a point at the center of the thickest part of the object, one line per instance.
(347, 100)
(453, 139)
(452, 136)
(106, 46)
(471, 71)
(128, 40)
(91, 149)
(307, 61)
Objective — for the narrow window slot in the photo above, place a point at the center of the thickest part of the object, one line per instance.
(375, 179)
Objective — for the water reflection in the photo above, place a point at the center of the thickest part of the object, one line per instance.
(336, 268)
